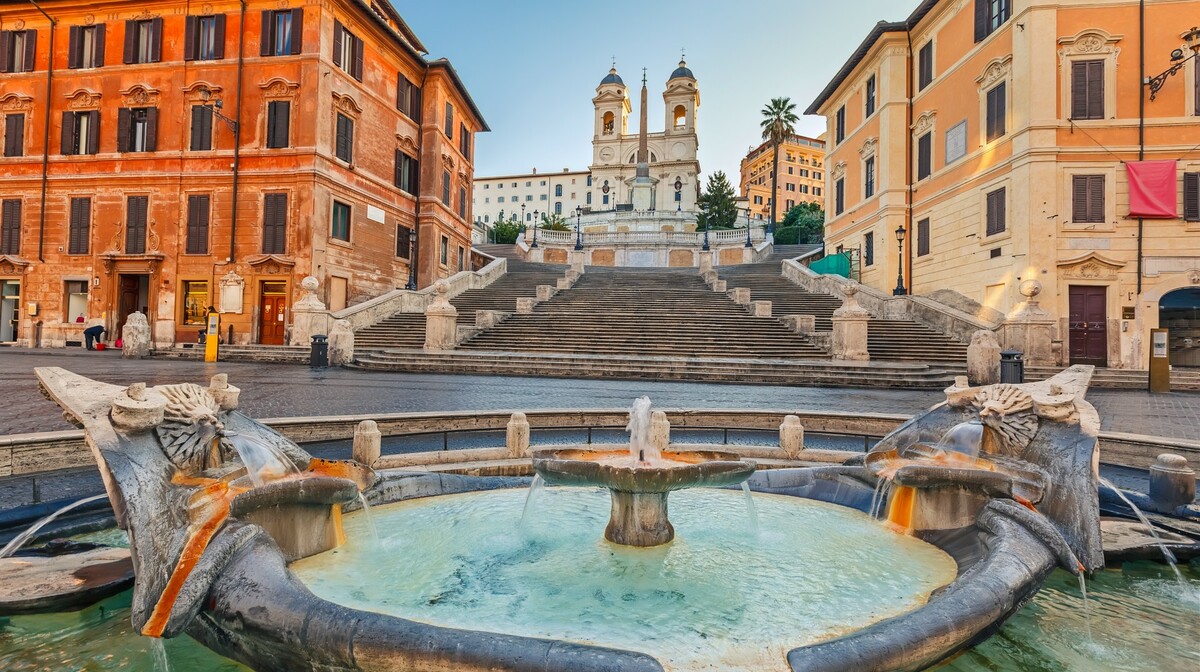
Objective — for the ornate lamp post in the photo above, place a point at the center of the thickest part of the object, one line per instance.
(412, 266)
(748, 243)
(704, 209)
(899, 290)
(215, 107)
(578, 231)
(1178, 59)
(535, 228)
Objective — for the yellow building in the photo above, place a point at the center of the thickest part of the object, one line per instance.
(998, 136)
(801, 176)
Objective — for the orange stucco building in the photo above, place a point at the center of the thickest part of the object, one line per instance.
(170, 156)
(801, 175)
(996, 136)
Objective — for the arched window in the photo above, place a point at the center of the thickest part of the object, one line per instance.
(680, 115)
(558, 190)
(558, 207)
(485, 219)
(609, 123)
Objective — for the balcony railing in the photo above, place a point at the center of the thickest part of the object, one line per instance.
(673, 238)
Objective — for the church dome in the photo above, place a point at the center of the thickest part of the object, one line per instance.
(682, 72)
(612, 78)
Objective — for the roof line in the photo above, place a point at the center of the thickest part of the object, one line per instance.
(444, 63)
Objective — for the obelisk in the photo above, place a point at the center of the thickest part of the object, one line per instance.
(643, 186)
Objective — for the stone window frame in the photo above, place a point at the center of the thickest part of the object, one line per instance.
(926, 123)
(348, 242)
(1186, 166)
(870, 150)
(997, 71)
(278, 89)
(16, 103)
(1067, 173)
(184, 281)
(346, 106)
(1004, 182)
(1089, 44)
(185, 221)
(193, 96)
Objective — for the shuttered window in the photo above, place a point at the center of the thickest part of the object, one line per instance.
(403, 241)
(925, 156)
(996, 212)
(341, 222)
(446, 188)
(85, 46)
(14, 135)
(135, 224)
(464, 142)
(1087, 90)
(869, 248)
(869, 177)
(17, 50)
(408, 98)
(870, 95)
(137, 129)
(344, 142)
(143, 41)
(274, 224)
(81, 132)
(1191, 197)
(1087, 193)
(989, 16)
(839, 199)
(925, 66)
(462, 203)
(923, 237)
(202, 124)
(199, 209)
(279, 116)
(10, 226)
(841, 124)
(282, 32)
(997, 111)
(204, 38)
(407, 170)
(80, 226)
(347, 51)
(449, 125)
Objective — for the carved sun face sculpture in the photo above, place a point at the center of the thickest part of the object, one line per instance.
(191, 434)
(1008, 410)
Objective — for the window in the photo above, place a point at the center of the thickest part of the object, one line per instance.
(202, 121)
(85, 46)
(925, 156)
(279, 116)
(870, 95)
(558, 207)
(1191, 197)
(839, 198)
(790, 170)
(197, 224)
(274, 224)
(204, 38)
(464, 141)
(347, 51)
(1087, 90)
(995, 212)
(446, 188)
(989, 16)
(789, 187)
(341, 221)
(462, 253)
(956, 142)
(17, 50)
(195, 302)
(604, 200)
(143, 41)
(869, 248)
(445, 249)
(869, 177)
(589, 180)
(529, 197)
(10, 226)
(76, 305)
(282, 32)
(588, 200)
(543, 197)
(758, 200)
(81, 132)
(14, 135)
(925, 66)
(137, 129)
(344, 143)
(558, 191)
(403, 241)
(997, 104)
(462, 202)
(135, 224)
(80, 226)
(1087, 193)
(841, 124)
(408, 98)
(449, 127)
(923, 237)
(790, 204)
(407, 170)
(513, 199)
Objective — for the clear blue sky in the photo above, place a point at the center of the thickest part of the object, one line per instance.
(532, 66)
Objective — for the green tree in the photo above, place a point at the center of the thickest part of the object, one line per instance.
(717, 209)
(553, 222)
(778, 124)
(505, 232)
(809, 220)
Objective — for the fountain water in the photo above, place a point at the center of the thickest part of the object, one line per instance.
(366, 509)
(1167, 554)
(965, 438)
(640, 448)
(159, 651)
(751, 511)
(15, 545)
(264, 462)
(535, 489)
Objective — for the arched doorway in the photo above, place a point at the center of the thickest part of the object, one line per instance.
(1179, 311)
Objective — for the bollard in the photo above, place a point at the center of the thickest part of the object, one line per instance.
(1172, 483)
(516, 436)
(367, 443)
(791, 436)
(660, 431)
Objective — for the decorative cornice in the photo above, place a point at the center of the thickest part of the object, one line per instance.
(346, 104)
(1090, 266)
(839, 170)
(278, 87)
(82, 99)
(407, 144)
(192, 91)
(15, 102)
(868, 148)
(924, 123)
(997, 69)
(139, 95)
(1089, 41)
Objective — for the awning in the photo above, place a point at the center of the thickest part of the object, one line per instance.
(1152, 189)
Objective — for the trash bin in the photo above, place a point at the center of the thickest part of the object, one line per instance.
(319, 355)
(1012, 367)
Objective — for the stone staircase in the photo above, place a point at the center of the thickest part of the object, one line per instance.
(1182, 379)
(644, 312)
(887, 340)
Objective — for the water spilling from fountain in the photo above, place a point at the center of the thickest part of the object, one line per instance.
(641, 450)
(965, 438)
(264, 462)
(1168, 556)
(751, 510)
(20, 540)
(535, 490)
(369, 517)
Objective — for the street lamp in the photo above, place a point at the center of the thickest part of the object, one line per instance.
(535, 228)
(412, 266)
(748, 243)
(704, 211)
(215, 108)
(1178, 59)
(578, 231)
(899, 290)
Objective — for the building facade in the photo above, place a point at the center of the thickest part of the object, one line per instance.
(167, 157)
(801, 175)
(501, 198)
(997, 139)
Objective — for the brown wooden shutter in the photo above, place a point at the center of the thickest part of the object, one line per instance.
(68, 133)
(151, 129)
(337, 42)
(981, 19)
(396, 170)
(339, 142)
(5, 39)
(268, 240)
(1079, 198)
(81, 215)
(281, 224)
(190, 28)
(297, 30)
(94, 133)
(74, 55)
(357, 70)
(98, 46)
(135, 225)
(266, 33)
(417, 111)
(924, 156)
(30, 49)
(401, 93)
(1191, 197)
(14, 135)
(1079, 95)
(1095, 92)
(130, 42)
(1096, 198)
(156, 31)
(219, 36)
(123, 129)
(197, 228)
(10, 227)
(923, 237)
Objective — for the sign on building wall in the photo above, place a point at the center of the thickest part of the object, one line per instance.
(956, 142)
(375, 214)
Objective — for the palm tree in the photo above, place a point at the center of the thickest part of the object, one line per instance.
(779, 119)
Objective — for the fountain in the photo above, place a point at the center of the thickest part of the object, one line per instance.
(640, 479)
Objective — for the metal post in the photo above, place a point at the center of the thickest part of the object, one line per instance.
(899, 290)
(748, 243)
(535, 228)
(579, 239)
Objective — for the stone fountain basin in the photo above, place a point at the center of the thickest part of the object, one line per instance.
(922, 467)
(615, 471)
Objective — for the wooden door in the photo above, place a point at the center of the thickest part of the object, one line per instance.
(1088, 325)
(272, 316)
(128, 292)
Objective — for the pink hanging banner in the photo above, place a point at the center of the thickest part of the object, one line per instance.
(1152, 189)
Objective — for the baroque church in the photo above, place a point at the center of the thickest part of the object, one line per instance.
(645, 171)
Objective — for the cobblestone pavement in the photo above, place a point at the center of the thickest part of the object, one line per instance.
(272, 390)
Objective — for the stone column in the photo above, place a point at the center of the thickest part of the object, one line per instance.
(983, 358)
(309, 316)
(367, 443)
(341, 343)
(135, 336)
(1030, 329)
(850, 329)
(791, 436)
(516, 436)
(706, 263)
(441, 320)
